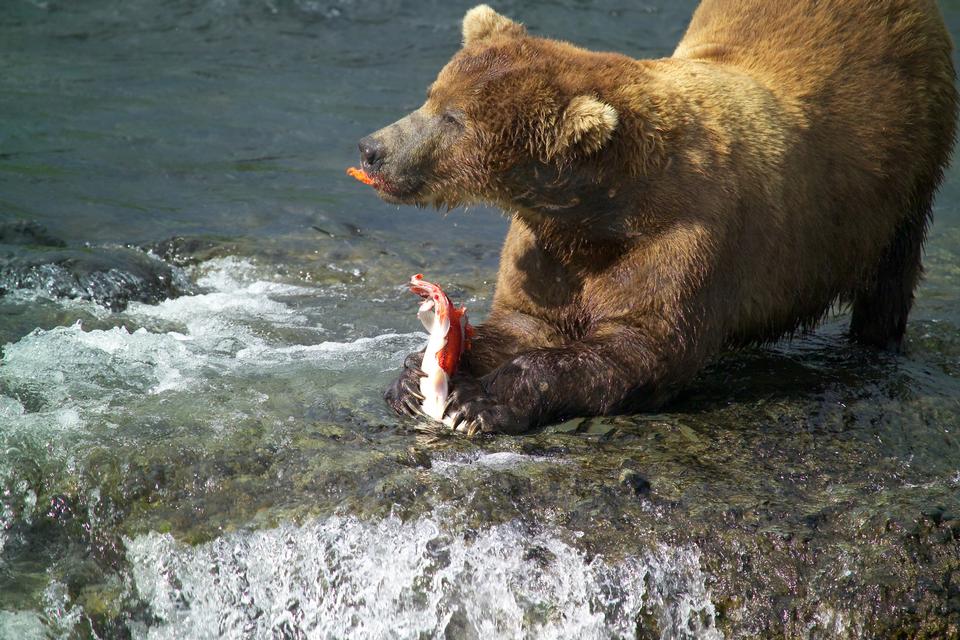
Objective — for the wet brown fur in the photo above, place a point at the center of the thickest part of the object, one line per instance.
(784, 159)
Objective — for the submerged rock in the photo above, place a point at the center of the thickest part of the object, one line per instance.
(734, 551)
(28, 232)
(635, 482)
(189, 250)
(109, 276)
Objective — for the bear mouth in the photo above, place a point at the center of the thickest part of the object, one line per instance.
(397, 192)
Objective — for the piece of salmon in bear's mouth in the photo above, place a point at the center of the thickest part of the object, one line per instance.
(390, 191)
(371, 178)
(361, 175)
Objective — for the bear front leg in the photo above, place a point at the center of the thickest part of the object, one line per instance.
(504, 336)
(616, 372)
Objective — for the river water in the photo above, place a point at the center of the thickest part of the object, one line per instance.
(199, 311)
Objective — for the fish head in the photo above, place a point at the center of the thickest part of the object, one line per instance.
(434, 311)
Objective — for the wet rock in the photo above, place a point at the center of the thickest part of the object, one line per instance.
(570, 426)
(28, 232)
(459, 628)
(828, 557)
(110, 276)
(635, 482)
(414, 457)
(188, 250)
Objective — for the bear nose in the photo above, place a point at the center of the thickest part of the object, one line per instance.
(371, 153)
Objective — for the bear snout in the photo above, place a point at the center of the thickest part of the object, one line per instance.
(371, 154)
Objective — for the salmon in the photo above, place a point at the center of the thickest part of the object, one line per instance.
(360, 175)
(449, 336)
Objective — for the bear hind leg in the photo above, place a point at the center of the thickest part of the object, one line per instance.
(882, 303)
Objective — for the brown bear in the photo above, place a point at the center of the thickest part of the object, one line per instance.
(783, 160)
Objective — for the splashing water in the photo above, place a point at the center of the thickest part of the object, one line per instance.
(345, 578)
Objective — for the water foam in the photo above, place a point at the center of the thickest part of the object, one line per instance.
(62, 389)
(387, 347)
(69, 366)
(235, 300)
(22, 625)
(345, 578)
(498, 460)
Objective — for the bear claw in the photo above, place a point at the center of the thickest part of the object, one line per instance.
(475, 411)
(404, 395)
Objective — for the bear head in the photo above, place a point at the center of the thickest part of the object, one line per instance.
(512, 120)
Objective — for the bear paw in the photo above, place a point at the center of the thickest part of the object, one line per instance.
(404, 395)
(474, 411)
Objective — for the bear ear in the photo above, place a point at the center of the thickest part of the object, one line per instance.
(482, 22)
(585, 125)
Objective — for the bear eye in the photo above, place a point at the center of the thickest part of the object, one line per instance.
(451, 118)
